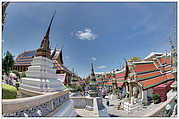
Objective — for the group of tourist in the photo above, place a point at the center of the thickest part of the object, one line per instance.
(12, 79)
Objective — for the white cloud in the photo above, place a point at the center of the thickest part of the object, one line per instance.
(86, 34)
(102, 67)
(93, 58)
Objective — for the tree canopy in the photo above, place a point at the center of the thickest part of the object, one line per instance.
(7, 63)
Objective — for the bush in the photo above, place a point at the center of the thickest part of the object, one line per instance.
(68, 86)
(116, 92)
(78, 88)
(155, 96)
(8, 92)
(23, 74)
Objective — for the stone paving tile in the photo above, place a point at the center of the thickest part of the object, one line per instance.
(85, 113)
(112, 110)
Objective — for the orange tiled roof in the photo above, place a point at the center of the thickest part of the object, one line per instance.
(147, 75)
(156, 81)
(168, 60)
(157, 63)
(166, 68)
(60, 66)
(108, 83)
(120, 79)
(144, 67)
(162, 60)
(122, 74)
(120, 84)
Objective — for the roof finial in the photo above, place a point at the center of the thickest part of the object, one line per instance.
(53, 53)
(48, 30)
(173, 48)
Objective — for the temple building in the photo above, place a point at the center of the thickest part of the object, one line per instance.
(139, 78)
(23, 60)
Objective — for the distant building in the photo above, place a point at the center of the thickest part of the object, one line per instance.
(143, 76)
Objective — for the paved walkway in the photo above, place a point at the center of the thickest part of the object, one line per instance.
(112, 109)
(85, 113)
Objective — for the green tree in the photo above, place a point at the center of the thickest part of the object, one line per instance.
(7, 63)
(22, 75)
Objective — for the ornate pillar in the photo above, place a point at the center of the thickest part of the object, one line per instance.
(130, 90)
(140, 93)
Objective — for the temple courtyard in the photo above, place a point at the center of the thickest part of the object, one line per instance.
(140, 112)
(113, 79)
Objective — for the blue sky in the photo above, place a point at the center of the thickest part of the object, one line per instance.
(102, 33)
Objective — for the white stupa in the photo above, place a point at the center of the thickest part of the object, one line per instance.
(41, 76)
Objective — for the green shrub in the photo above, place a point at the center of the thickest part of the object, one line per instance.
(67, 86)
(8, 92)
(155, 96)
(116, 92)
(23, 74)
(79, 89)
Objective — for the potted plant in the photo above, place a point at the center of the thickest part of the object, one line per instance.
(156, 98)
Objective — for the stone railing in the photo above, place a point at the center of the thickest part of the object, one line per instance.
(161, 111)
(102, 110)
(36, 106)
(82, 102)
(94, 106)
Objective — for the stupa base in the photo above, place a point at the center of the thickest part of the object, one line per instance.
(93, 93)
(41, 85)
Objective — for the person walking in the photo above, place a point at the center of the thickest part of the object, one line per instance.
(107, 102)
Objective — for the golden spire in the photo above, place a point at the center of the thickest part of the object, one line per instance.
(45, 42)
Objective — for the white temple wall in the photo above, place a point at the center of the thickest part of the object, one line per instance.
(144, 95)
(149, 92)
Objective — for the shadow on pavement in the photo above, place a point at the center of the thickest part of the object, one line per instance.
(112, 115)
